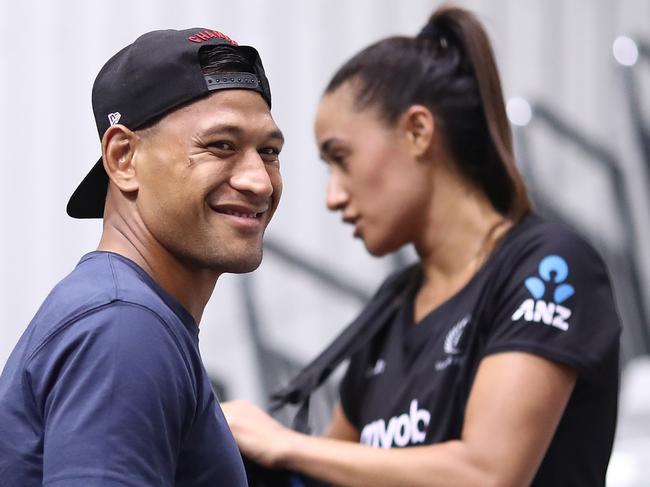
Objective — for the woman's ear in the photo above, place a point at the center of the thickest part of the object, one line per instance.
(118, 150)
(418, 124)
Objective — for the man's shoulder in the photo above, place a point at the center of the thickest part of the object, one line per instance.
(100, 284)
(98, 279)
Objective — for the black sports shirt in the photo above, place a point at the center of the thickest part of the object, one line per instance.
(543, 291)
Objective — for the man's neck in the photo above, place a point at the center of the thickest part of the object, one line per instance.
(190, 286)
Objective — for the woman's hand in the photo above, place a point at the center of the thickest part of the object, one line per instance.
(516, 402)
(259, 437)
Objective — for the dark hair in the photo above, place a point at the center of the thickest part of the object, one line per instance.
(216, 59)
(225, 58)
(449, 68)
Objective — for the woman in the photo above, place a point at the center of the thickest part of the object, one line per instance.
(500, 368)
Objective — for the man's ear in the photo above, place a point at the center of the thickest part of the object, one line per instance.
(418, 124)
(118, 150)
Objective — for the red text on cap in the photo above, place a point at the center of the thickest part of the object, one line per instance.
(206, 35)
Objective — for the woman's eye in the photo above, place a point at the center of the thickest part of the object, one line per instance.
(338, 160)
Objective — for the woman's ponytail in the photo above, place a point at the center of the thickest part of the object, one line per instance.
(450, 68)
(467, 29)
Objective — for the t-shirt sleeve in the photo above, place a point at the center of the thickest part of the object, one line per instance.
(115, 397)
(556, 302)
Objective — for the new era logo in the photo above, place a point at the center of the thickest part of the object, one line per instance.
(114, 117)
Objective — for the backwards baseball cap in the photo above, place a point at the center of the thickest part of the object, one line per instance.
(160, 71)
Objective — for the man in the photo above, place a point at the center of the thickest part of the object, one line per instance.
(106, 386)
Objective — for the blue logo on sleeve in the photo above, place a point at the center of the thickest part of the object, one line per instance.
(552, 268)
(553, 272)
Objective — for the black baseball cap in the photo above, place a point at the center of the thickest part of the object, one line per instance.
(160, 71)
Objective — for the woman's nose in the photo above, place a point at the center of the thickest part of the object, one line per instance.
(337, 196)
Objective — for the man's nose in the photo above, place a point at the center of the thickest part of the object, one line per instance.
(251, 176)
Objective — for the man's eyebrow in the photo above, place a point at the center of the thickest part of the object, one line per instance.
(238, 131)
(276, 134)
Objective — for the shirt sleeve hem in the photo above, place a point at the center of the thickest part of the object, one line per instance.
(553, 355)
(88, 480)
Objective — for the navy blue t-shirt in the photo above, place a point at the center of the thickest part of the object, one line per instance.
(106, 387)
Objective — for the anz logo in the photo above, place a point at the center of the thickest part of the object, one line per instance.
(553, 272)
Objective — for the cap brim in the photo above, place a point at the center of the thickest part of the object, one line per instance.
(90, 196)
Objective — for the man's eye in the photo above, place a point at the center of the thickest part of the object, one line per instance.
(269, 153)
(223, 145)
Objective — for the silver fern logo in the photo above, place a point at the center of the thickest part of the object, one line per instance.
(452, 344)
(452, 340)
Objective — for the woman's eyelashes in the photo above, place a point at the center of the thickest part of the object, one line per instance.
(340, 161)
(335, 158)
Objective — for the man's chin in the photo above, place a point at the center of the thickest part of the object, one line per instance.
(244, 268)
(241, 264)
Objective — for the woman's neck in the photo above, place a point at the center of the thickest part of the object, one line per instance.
(459, 236)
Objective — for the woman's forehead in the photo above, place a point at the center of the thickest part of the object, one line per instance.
(340, 107)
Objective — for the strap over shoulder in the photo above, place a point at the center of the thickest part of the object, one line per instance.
(372, 319)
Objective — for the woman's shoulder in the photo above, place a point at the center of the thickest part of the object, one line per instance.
(546, 260)
(538, 229)
(536, 237)
(552, 296)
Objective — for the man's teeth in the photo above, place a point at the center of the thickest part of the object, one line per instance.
(241, 215)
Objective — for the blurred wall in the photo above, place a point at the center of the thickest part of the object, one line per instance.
(557, 53)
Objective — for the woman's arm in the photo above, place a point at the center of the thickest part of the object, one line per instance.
(514, 407)
(340, 427)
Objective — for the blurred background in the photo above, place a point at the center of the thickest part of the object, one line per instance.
(577, 77)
